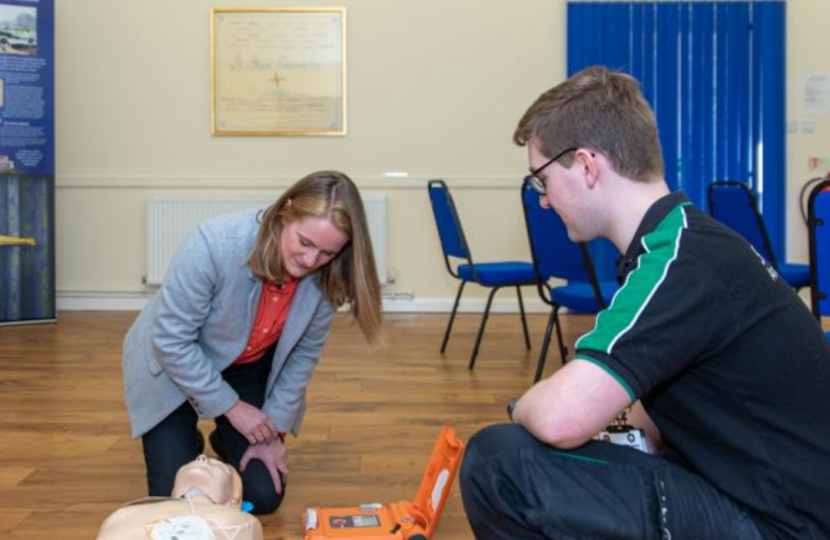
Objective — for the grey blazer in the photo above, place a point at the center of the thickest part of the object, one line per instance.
(198, 323)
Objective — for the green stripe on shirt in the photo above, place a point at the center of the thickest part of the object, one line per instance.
(661, 248)
(631, 395)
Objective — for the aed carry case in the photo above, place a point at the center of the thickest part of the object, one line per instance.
(402, 520)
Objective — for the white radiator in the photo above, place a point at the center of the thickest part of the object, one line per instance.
(170, 219)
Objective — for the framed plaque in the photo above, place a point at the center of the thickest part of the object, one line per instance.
(278, 71)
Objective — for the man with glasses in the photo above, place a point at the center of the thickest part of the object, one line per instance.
(725, 367)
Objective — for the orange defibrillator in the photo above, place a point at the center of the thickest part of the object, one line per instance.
(402, 520)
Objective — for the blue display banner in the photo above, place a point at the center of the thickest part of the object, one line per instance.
(27, 87)
(27, 161)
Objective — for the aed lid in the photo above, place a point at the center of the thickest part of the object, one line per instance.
(439, 476)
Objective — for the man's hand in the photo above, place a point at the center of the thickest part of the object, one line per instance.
(252, 423)
(275, 458)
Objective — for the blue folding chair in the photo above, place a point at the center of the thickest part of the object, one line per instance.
(733, 204)
(494, 275)
(818, 211)
(555, 256)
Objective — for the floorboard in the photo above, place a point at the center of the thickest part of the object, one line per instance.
(67, 460)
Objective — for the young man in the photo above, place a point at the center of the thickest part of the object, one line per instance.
(725, 359)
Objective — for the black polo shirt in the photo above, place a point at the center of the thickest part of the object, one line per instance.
(729, 363)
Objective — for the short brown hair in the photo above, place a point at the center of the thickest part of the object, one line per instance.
(351, 276)
(599, 109)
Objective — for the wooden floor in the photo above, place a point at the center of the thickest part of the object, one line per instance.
(67, 461)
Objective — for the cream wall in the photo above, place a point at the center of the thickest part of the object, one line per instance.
(434, 88)
(807, 45)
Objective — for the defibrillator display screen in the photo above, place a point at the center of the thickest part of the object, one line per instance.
(354, 521)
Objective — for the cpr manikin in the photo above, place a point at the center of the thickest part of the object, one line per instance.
(205, 505)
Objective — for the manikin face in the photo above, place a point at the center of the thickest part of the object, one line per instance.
(211, 477)
(310, 243)
(566, 192)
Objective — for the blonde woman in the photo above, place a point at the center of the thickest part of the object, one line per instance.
(238, 326)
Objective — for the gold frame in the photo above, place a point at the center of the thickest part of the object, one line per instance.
(314, 103)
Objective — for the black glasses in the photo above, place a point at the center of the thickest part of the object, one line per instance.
(537, 183)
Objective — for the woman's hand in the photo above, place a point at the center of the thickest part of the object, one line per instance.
(252, 423)
(275, 458)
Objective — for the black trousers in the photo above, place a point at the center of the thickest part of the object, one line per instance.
(515, 487)
(176, 441)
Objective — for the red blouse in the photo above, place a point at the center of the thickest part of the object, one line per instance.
(274, 303)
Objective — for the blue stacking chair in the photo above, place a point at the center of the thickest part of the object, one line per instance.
(493, 275)
(555, 256)
(819, 225)
(733, 204)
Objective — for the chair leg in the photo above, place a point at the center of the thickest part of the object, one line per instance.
(540, 365)
(481, 328)
(563, 351)
(524, 319)
(452, 317)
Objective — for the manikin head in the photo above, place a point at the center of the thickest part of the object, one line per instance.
(208, 477)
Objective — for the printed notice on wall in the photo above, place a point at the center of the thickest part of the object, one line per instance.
(26, 87)
(817, 95)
